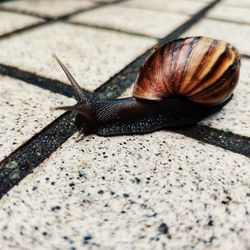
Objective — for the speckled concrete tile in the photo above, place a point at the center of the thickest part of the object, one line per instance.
(235, 116)
(10, 22)
(146, 22)
(133, 192)
(54, 8)
(233, 33)
(24, 111)
(230, 13)
(181, 6)
(239, 3)
(92, 55)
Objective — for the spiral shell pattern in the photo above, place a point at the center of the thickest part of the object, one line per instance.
(202, 69)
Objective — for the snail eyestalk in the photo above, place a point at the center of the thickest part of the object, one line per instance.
(79, 92)
(77, 109)
(68, 108)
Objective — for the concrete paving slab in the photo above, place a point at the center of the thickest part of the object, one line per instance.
(204, 1)
(236, 34)
(154, 191)
(11, 21)
(92, 55)
(235, 116)
(146, 22)
(54, 8)
(24, 112)
(238, 3)
(181, 6)
(230, 13)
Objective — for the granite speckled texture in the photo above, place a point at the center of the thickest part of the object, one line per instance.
(24, 111)
(48, 8)
(145, 22)
(92, 55)
(181, 6)
(154, 191)
(12, 21)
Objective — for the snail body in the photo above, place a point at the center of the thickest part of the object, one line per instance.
(181, 83)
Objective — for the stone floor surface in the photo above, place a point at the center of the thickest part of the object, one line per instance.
(162, 190)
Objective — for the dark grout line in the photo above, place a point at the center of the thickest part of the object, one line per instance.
(21, 30)
(54, 86)
(227, 140)
(96, 6)
(131, 33)
(31, 154)
(225, 4)
(245, 56)
(2, 1)
(45, 17)
(195, 19)
(22, 12)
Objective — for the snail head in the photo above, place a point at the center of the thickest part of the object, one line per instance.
(85, 115)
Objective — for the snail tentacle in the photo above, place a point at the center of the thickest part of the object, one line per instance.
(80, 94)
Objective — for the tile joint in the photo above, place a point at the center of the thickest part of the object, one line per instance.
(47, 19)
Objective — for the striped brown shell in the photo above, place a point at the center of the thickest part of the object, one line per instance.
(202, 69)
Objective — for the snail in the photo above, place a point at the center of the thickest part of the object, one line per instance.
(181, 83)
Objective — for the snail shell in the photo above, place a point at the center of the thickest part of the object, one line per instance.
(202, 69)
